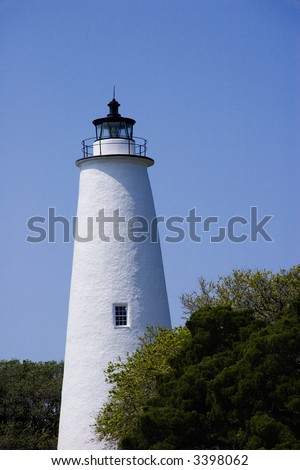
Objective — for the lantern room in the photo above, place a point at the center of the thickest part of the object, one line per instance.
(114, 126)
(114, 136)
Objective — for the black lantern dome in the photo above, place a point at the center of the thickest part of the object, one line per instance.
(114, 126)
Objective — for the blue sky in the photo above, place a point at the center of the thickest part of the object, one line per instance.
(213, 86)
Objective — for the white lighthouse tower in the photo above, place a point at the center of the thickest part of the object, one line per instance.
(118, 285)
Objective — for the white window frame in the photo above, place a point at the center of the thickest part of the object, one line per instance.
(120, 304)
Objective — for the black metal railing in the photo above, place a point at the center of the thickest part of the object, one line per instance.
(136, 147)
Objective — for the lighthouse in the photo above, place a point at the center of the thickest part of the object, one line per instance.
(118, 284)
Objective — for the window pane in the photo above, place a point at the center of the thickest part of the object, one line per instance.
(114, 129)
(129, 129)
(98, 131)
(120, 315)
(123, 130)
(105, 134)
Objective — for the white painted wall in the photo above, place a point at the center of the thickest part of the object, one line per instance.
(113, 146)
(105, 273)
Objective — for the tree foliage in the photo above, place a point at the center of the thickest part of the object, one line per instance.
(29, 404)
(263, 291)
(218, 382)
(233, 385)
(134, 381)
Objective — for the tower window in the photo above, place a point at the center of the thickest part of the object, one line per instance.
(120, 315)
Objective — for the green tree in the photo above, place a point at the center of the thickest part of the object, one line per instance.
(263, 291)
(29, 404)
(233, 385)
(134, 381)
